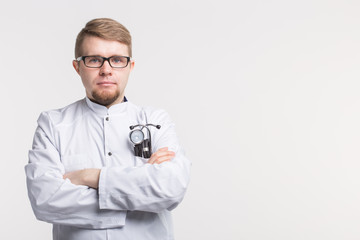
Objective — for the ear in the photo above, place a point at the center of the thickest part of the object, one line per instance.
(132, 64)
(76, 66)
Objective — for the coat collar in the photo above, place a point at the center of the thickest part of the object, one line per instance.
(102, 110)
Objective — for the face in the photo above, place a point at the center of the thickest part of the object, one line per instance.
(104, 85)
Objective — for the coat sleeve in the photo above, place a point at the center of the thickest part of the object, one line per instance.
(150, 188)
(56, 200)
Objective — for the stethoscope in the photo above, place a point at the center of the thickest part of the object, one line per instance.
(142, 146)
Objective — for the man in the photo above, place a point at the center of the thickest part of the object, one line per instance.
(83, 175)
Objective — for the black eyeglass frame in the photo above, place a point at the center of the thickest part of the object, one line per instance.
(104, 59)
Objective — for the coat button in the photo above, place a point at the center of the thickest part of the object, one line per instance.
(107, 118)
(109, 153)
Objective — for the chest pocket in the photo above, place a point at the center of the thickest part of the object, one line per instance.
(139, 161)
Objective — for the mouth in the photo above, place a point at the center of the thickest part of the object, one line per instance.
(106, 83)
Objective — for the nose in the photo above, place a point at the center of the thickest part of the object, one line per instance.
(105, 69)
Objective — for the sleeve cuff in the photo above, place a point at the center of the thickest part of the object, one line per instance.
(102, 188)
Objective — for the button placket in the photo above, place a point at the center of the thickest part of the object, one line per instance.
(108, 152)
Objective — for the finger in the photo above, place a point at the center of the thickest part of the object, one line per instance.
(151, 160)
(156, 154)
(67, 175)
(163, 157)
(163, 153)
(159, 153)
(162, 161)
(162, 149)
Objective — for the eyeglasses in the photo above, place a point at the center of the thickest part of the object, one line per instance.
(97, 61)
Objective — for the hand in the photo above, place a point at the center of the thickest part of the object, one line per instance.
(161, 155)
(87, 177)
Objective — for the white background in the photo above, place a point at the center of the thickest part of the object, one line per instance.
(265, 95)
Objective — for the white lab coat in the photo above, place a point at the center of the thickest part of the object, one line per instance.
(134, 198)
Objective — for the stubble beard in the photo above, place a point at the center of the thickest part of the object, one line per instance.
(105, 98)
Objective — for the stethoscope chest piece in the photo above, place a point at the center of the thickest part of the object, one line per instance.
(137, 136)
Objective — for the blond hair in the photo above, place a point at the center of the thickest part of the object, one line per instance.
(105, 28)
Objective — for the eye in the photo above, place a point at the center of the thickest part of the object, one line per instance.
(118, 59)
(94, 59)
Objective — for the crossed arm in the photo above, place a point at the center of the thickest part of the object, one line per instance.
(152, 187)
(90, 177)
